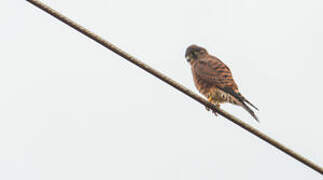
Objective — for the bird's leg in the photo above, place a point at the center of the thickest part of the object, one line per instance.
(217, 104)
(210, 99)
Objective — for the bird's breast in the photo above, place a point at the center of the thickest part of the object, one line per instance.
(202, 86)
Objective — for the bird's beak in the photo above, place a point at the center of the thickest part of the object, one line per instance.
(188, 58)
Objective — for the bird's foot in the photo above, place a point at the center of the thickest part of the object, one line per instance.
(210, 100)
(214, 111)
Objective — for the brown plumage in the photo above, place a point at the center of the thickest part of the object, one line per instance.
(214, 79)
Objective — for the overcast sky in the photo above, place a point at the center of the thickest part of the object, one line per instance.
(70, 109)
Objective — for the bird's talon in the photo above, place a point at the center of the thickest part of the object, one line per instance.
(215, 113)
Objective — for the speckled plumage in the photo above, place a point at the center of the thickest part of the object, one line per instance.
(214, 79)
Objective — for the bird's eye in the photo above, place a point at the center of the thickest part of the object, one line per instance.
(194, 54)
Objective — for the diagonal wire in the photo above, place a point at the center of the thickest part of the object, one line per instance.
(176, 85)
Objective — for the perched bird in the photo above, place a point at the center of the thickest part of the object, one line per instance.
(214, 80)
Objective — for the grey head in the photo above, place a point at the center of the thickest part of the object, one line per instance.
(194, 52)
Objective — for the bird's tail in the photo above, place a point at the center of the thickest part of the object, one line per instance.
(242, 101)
(245, 100)
(247, 108)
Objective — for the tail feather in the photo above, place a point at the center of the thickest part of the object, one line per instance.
(250, 111)
(241, 101)
(250, 103)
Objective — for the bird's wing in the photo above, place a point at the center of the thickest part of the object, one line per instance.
(213, 71)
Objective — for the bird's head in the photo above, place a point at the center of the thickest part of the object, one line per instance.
(194, 52)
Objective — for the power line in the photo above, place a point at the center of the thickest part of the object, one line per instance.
(175, 84)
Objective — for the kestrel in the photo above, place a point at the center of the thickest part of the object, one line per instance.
(214, 80)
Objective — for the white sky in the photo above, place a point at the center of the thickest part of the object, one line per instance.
(70, 109)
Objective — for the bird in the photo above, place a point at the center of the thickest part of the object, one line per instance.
(214, 80)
